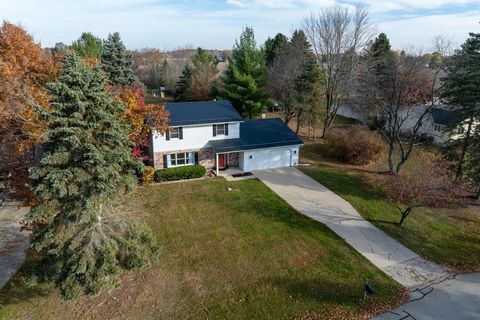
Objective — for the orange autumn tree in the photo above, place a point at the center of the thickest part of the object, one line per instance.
(136, 116)
(25, 69)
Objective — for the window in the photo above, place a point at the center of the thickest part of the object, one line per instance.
(181, 159)
(220, 129)
(461, 130)
(174, 134)
(437, 128)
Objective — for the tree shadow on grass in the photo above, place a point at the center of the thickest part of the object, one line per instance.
(19, 289)
(321, 290)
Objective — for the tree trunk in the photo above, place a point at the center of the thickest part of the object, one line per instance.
(390, 158)
(477, 196)
(466, 144)
(405, 214)
(298, 122)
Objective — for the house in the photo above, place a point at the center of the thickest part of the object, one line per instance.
(213, 134)
(442, 124)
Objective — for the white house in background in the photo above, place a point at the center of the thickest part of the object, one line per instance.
(213, 134)
(442, 123)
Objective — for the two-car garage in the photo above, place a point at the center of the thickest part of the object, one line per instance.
(263, 144)
(270, 158)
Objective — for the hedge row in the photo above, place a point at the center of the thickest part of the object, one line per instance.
(179, 173)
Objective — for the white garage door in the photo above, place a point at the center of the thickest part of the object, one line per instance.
(272, 158)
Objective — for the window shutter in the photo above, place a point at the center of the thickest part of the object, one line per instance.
(226, 129)
(165, 161)
(196, 157)
(167, 135)
(214, 130)
(180, 133)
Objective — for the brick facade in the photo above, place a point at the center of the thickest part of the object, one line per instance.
(205, 157)
(233, 159)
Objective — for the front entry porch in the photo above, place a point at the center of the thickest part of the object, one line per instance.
(226, 163)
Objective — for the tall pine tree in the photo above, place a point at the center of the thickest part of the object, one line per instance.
(462, 89)
(183, 90)
(84, 239)
(245, 77)
(88, 46)
(116, 63)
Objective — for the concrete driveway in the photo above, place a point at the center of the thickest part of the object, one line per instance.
(13, 241)
(457, 298)
(436, 294)
(312, 199)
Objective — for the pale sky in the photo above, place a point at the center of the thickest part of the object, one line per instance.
(215, 24)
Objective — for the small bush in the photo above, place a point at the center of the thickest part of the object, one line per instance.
(147, 176)
(357, 145)
(180, 173)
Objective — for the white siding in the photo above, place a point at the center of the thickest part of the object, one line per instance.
(269, 158)
(194, 137)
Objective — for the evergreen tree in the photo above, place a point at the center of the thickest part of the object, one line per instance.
(273, 47)
(116, 63)
(84, 238)
(243, 84)
(462, 89)
(380, 53)
(88, 46)
(184, 85)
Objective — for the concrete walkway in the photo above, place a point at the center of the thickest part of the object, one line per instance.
(12, 241)
(436, 294)
(317, 202)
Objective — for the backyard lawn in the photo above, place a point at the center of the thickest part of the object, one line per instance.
(449, 236)
(229, 251)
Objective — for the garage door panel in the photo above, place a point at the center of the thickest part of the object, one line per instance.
(273, 158)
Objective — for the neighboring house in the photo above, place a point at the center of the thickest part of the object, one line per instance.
(213, 134)
(442, 124)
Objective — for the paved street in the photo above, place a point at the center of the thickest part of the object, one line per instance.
(12, 241)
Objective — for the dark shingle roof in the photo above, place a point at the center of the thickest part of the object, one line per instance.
(258, 134)
(446, 117)
(189, 113)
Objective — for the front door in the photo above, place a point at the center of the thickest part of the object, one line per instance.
(222, 160)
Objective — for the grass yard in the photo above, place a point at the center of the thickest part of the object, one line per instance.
(226, 254)
(449, 236)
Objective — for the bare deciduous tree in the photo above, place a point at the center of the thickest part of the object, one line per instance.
(429, 185)
(337, 34)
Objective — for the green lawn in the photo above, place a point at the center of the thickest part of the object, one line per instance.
(449, 236)
(226, 254)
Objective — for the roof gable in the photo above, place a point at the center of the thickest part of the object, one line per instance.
(201, 112)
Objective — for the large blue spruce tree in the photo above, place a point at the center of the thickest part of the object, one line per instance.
(83, 237)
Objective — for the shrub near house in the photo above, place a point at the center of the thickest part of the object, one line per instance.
(179, 173)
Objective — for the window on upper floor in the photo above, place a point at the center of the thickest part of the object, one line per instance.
(220, 129)
(174, 133)
(437, 128)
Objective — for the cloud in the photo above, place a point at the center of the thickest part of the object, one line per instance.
(419, 31)
(412, 5)
(281, 4)
(168, 24)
